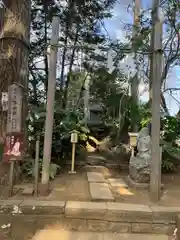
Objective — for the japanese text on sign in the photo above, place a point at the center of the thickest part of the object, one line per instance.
(14, 109)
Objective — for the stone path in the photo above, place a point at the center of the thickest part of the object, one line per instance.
(117, 182)
(28, 191)
(99, 189)
(67, 235)
(96, 177)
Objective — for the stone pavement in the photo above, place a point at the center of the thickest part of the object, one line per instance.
(99, 188)
(56, 234)
(31, 215)
(95, 177)
(100, 191)
(117, 182)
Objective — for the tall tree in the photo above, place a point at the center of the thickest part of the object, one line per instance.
(14, 48)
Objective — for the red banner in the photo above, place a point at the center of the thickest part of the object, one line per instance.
(14, 147)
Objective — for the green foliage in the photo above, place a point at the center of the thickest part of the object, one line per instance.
(81, 23)
(64, 123)
(171, 152)
(168, 165)
(145, 115)
(27, 168)
(170, 133)
(110, 91)
(171, 129)
(140, 114)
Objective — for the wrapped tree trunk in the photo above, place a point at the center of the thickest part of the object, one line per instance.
(14, 48)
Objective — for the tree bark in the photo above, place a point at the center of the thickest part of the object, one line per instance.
(14, 48)
(45, 6)
(70, 69)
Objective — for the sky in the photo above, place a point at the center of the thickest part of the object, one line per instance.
(115, 28)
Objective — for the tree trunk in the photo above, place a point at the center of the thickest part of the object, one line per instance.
(135, 80)
(70, 69)
(14, 47)
(45, 6)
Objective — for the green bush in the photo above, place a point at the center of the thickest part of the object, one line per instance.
(27, 168)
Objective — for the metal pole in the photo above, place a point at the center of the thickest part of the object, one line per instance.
(36, 168)
(50, 102)
(155, 178)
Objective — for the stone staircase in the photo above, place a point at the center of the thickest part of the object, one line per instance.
(99, 219)
(19, 218)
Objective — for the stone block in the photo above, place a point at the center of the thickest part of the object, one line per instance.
(28, 191)
(7, 206)
(95, 177)
(167, 229)
(75, 224)
(123, 212)
(139, 170)
(141, 228)
(42, 207)
(165, 215)
(97, 225)
(53, 220)
(23, 227)
(5, 226)
(85, 210)
(117, 182)
(62, 223)
(119, 227)
(100, 191)
(101, 169)
(126, 236)
(68, 235)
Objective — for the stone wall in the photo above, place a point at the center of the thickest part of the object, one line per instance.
(20, 219)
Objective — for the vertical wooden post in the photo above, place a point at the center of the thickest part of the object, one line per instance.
(132, 151)
(74, 140)
(135, 80)
(50, 103)
(73, 157)
(11, 177)
(36, 168)
(155, 181)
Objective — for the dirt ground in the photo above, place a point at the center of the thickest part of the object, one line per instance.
(75, 187)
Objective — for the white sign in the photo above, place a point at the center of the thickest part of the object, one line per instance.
(14, 109)
(4, 101)
(74, 137)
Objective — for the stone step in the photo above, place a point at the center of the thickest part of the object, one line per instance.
(28, 191)
(117, 182)
(100, 192)
(96, 177)
(91, 216)
(70, 235)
